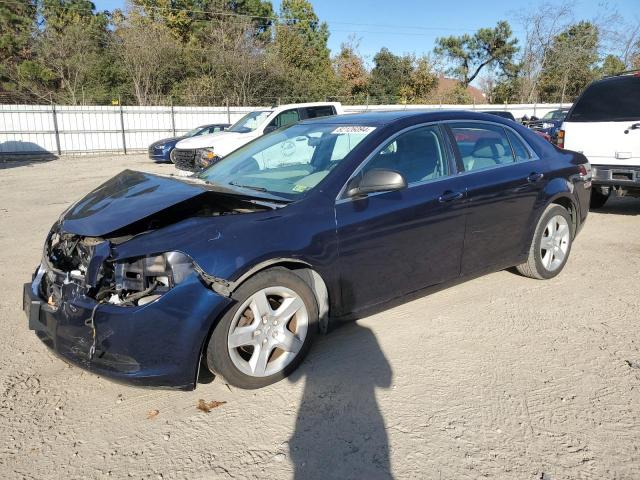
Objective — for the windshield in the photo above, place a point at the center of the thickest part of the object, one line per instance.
(250, 121)
(289, 162)
(194, 132)
(555, 115)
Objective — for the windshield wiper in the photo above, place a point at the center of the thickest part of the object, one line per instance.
(250, 187)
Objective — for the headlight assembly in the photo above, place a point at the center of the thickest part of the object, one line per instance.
(141, 280)
(206, 157)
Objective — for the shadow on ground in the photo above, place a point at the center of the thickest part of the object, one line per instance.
(19, 154)
(620, 206)
(340, 432)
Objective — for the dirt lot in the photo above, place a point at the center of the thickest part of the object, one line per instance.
(500, 377)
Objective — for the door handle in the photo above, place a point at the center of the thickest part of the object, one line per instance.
(450, 196)
(535, 177)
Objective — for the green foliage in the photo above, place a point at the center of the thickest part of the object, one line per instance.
(300, 47)
(471, 53)
(571, 63)
(611, 65)
(390, 76)
(402, 79)
(17, 23)
(352, 75)
(422, 81)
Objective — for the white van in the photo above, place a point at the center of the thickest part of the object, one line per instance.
(604, 125)
(194, 154)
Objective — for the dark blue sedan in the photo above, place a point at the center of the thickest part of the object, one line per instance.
(148, 277)
(160, 151)
(550, 123)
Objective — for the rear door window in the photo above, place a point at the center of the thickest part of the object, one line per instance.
(285, 118)
(322, 111)
(482, 145)
(612, 100)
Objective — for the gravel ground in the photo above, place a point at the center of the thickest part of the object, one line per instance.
(499, 377)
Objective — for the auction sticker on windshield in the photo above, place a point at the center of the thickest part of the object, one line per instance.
(353, 129)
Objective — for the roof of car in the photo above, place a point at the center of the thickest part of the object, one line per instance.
(302, 105)
(383, 117)
(220, 124)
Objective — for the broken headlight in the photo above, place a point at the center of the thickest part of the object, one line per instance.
(206, 157)
(141, 280)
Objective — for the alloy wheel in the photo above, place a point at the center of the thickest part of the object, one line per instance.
(268, 331)
(555, 243)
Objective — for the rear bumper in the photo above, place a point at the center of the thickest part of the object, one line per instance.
(158, 344)
(616, 175)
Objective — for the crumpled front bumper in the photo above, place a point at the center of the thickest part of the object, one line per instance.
(158, 344)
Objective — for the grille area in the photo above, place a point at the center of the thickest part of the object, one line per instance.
(184, 159)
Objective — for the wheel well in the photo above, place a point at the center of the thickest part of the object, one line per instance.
(311, 278)
(307, 274)
(568, 205)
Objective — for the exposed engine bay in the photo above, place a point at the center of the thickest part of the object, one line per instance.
(86, 261)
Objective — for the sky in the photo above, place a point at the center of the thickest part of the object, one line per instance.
(411, 26)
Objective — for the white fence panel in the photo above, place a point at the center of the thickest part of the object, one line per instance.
(34, 129)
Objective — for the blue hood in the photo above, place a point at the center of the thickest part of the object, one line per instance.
(125, 199)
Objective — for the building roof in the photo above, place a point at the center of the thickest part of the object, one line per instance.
(447, 84)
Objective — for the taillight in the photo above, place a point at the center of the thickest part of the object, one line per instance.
(560, 141)
(585, 172)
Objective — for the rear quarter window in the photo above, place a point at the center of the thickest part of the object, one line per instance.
(613, 100)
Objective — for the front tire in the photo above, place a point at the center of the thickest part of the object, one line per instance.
(551, 244)
(267, 333)
(598, 199)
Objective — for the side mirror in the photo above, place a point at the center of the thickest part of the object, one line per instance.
(376, 180)
(269, 129)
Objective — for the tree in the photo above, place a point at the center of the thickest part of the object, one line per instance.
(389, 75)
(17, 24)
(611, 65)
(471, 53)
(570, 63)
(351, 72)
(422, 81)
(259, 11)
(71, 45)
(228, 63)
(541, 25)
(151, 55)
(300, 46)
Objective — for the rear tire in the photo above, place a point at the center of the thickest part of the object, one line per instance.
(267, 333)
(551, 244)
(598, 199)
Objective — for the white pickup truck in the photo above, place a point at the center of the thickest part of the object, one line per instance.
(194, 154)
(604, 125)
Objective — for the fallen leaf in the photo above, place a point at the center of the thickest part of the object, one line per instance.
(208, 406)
(633, 363)
(151, 414)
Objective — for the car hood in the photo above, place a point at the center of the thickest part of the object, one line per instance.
(167, 140)
(222, 143)
(135, 202)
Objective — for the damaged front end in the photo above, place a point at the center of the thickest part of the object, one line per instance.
(140, 319)
(86, 262)
(118, 291)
